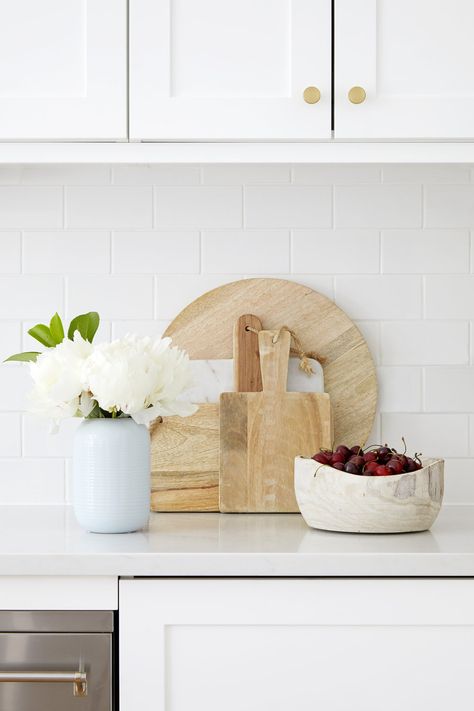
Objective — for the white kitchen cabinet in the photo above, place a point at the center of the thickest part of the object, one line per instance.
(305, 644)
(230, 69)
(414, 60)
(63, 72)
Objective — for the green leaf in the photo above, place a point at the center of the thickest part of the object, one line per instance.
(23, 357)
(86, 324)
(43, 335)
(56, 328)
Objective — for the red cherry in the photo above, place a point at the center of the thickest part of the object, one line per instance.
(345, 451)
(395, 466)
(370, 457)
(321, 458)
(351, 468)
(339, 466)
(382, 471)
(338, 457)
(356, 449)
(370, 468)
(357, 460)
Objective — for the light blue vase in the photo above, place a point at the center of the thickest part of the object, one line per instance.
(112, 475)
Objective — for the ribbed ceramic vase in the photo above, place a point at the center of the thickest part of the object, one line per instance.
(112, 475)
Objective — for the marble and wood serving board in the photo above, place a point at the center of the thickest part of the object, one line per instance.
(205, 329)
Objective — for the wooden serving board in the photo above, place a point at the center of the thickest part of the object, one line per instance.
(261, 433)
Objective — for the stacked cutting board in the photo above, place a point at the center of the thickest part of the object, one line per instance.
(237, 456)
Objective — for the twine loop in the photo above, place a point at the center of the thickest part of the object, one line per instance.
(296, 349)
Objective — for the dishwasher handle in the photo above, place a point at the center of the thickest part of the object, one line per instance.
(78, 679)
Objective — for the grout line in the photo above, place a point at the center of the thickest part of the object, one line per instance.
(111, 251)
(64, 216)
(290, 252)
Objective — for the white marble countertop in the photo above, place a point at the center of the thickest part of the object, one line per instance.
(46, 540)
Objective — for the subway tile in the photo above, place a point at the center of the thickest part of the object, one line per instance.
(378, 206)
(425, 343)
(425, 251)
(333, 174)
(449, 389)
(425, 173)
(449, 297)
(250, 251)
(10, 174)
(336, 251)
(471, 435)
(70, 252)
(459, 481)
(434, 435)
(371, 333)
(449, 206)
(243, 174)
(113, 296)
(10, 434)
(10, 339)
(399, 389)
(32, 481)
(83, 174)
(303, 206)
(170, 300)
(23, 206)
(165, 174)
(10, 252)
(109, 207)
(15, 385)
(200, 207)
(39, 441)
(379, 297)
(140, 328)
(23, 297)
(155, 252)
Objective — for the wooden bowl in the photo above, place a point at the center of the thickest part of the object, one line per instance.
(337, 501)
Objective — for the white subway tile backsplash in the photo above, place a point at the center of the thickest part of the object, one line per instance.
(378, 206)
(175, 252)
(252, 251)
(399, 389)
(336, 251)
(377, 297)
(112, 207)
(121, 297)
(23, 297)
(425, 343)
(449, 389)
(434, 435)
(425, 173)
(39, 441)
(242, 174)
(10, 252)
(449, 206)
(425, 251)
(458, 481)
(164, 174)
(10, 434)
(287, 206)
(32, 481)
(371, 332)
(329, 174)
(15, 384)
(80, 174)
(140, 328)
(66, 252)
(10, 338)
(37, 207)
(198, 207)
(449, 297)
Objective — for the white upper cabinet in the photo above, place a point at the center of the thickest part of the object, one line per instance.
(224, 70)
(414, 59)
(63, 73)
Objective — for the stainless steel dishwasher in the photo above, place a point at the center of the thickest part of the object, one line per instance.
(56, 661)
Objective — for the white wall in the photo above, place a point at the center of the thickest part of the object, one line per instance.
(390, 244)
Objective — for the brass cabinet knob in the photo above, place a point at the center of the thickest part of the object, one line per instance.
(311, 95)
(357, 95)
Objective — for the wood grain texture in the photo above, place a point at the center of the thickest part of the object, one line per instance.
(261, 433)
(321, 326)
(185, 462)
(247, 374)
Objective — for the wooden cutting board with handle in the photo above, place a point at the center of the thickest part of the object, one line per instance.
(185, 450)
(261, 433)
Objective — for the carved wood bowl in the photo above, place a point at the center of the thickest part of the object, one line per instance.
(337, 501)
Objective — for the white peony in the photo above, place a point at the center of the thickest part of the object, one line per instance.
(140, 377)
(58, 376)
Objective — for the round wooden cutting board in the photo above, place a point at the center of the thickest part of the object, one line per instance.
(205, 330)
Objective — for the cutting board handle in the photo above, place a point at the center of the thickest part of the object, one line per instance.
(274, 347)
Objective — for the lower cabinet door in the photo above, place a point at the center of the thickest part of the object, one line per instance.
(296, 644)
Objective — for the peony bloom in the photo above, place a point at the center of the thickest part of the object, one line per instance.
(140, 377)
(58, 376)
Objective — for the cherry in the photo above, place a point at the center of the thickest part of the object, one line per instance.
(345, 451)
(371, 467)
(356, 449)
(382, 471)
(370, 457)
(339, 466)
(337, 458)
(351, 468)
(357, 460)
(395, 466)
(321, 458)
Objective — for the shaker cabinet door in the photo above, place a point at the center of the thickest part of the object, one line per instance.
(212, 70)
(280, 644)
(414, 59)
(63, 70)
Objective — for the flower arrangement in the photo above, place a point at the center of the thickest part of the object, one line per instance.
(142, 378)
